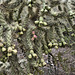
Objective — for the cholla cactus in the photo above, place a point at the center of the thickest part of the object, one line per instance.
(37, 26)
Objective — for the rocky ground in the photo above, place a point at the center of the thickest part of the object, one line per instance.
(65, 65)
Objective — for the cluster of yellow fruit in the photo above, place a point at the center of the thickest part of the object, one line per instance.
(71, 12)
(6, 52)
(30, 3)
(38, 63)
(56, 44)
(9, 50)
(63, 41)
(53, 43)
(40, 22)
(41, 62)
(45, 9)
(47, 50)
(20, 30)
(32, 54)
(73, 35)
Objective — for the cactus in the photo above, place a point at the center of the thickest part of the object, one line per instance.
(38, 28)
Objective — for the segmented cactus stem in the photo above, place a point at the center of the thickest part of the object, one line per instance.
(9, 36)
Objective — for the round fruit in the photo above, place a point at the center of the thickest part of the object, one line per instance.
(9, 54)
(41, 22)
(45, 10)
(42, 10)
(42, 60)
(44, 64)
(29, 56)
(54, 13)
(56, 47)
(62, 39)
(34, 55)
(48, 8)
(41, 19)
(31, 51)
(24, 29)
(3, 49)
(50, 44)
(30, 5)
(60, 44)
(36, 22)
(14, 51)
(64, 43)
(9, 49)
(21, 33)
(1, 44)
(45, 23)
(40, 65)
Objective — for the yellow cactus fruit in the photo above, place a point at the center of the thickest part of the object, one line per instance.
(14, 51)
(30, 5)
(5, 58)
(64, 43)
(41, 18)
(24, 29)
(60, 44)
(3, 49)
(41, 22)
(1, 44)
(13, 46)
(36, 65)
(42, 10)
(52, 41)
(20, 28)
(72, 34)
(9, 54)
(9, 49)
(45, 10)
(29, 56)
(44, 64)
(50, 44)
(56, 47)
(54, 44)
(34, 55)
(54, 13)
(48, 8)
(36, 22)
(31, 51)
(45, 23)
(42, 60)
(21, 33)
(62, 39)
(40, 65)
